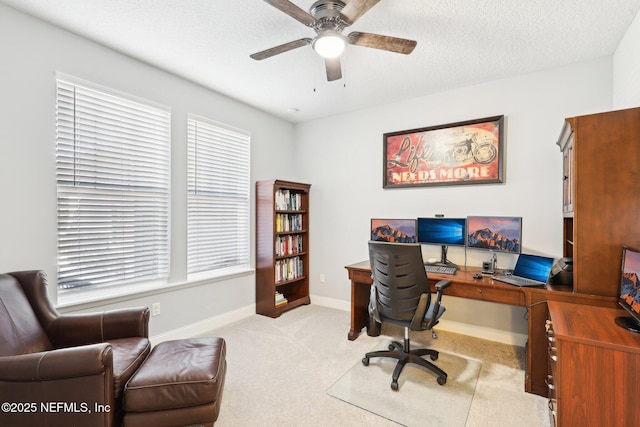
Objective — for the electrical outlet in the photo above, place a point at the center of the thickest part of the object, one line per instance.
(322, 278)
(155, 309)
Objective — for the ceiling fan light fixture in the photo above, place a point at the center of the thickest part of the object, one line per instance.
(329, 44)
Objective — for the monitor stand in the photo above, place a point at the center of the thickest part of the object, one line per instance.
(443, 258)
(628, 323)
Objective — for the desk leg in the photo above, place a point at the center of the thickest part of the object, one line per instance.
(359, 312)
(373, 327)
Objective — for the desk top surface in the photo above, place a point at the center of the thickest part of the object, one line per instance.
(592, 325)
(465, 274)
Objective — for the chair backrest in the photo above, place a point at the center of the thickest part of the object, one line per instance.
(20, 330)
(399, 277)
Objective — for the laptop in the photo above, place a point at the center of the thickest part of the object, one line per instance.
(530, 270)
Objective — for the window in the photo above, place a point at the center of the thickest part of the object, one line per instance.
(218, 197)
(112, 166)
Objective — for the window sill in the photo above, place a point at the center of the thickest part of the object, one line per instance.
(89, 298)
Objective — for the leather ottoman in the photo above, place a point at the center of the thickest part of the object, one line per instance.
(179, 384)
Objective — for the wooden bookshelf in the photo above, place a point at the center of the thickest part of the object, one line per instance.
(282, 246)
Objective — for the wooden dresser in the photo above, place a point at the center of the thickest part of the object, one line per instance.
(594, 367)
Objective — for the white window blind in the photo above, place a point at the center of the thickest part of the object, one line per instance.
(113, 188)
(218, 197)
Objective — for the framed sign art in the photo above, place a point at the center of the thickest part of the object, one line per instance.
(469, 152)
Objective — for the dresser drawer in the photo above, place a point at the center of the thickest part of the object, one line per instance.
(552, 349)
(552, 376)
(504, 295)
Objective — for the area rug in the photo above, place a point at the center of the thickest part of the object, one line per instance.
(420, 400)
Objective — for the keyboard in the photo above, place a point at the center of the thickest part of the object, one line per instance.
(517, 280)
(442, 269)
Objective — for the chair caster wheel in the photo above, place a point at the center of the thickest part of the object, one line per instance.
(442, 380)
(365, 361)
(433, 356)
(434, 335)
(391, 347)
(394, 385)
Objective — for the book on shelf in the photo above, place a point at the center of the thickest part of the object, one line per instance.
(280, 299)
(289, 269)
(287, 200)
(288, 245)
(288, 222)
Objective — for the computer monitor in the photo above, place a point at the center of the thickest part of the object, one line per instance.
(444, 232)
(629, 297)
(393, 230)
(495, 233)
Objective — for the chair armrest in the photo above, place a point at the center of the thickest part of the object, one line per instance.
(57, 364)
(80, 329)
(417, 321)
(442, 285)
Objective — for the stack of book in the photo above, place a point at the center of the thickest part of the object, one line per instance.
(280, 299)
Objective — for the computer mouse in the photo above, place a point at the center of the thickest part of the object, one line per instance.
(477, 276)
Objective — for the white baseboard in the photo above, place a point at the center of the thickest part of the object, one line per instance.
(331, 302)
(205, 325)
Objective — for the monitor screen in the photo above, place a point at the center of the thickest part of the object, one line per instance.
(533, 267)
(393, 230)
(495, 233)
(442, 231)
(629, 297)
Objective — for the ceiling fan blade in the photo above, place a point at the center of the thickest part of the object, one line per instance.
(334, 70)
(356, 8)
(377, 41)
(293, 11)
(280, 49)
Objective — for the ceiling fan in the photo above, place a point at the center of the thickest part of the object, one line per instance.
(328, 18)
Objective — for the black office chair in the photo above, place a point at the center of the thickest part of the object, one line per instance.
(401, 296)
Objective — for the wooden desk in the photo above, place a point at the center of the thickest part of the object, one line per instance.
(484, 289)
(464, 286)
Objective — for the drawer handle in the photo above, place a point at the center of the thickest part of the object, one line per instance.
(551, 405)
(548, 327)
(549, 382)
(479, 291)
(553, 353)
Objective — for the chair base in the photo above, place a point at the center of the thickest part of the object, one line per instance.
(405, 355)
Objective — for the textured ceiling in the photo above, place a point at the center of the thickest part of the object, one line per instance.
(460, 43)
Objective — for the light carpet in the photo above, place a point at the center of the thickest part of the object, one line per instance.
(420, 400)
(279, 371)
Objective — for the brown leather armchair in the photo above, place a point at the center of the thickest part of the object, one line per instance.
(64, 370)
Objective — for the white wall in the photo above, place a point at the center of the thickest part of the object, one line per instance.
(31, 53)
(342, 158)
(626, 68)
